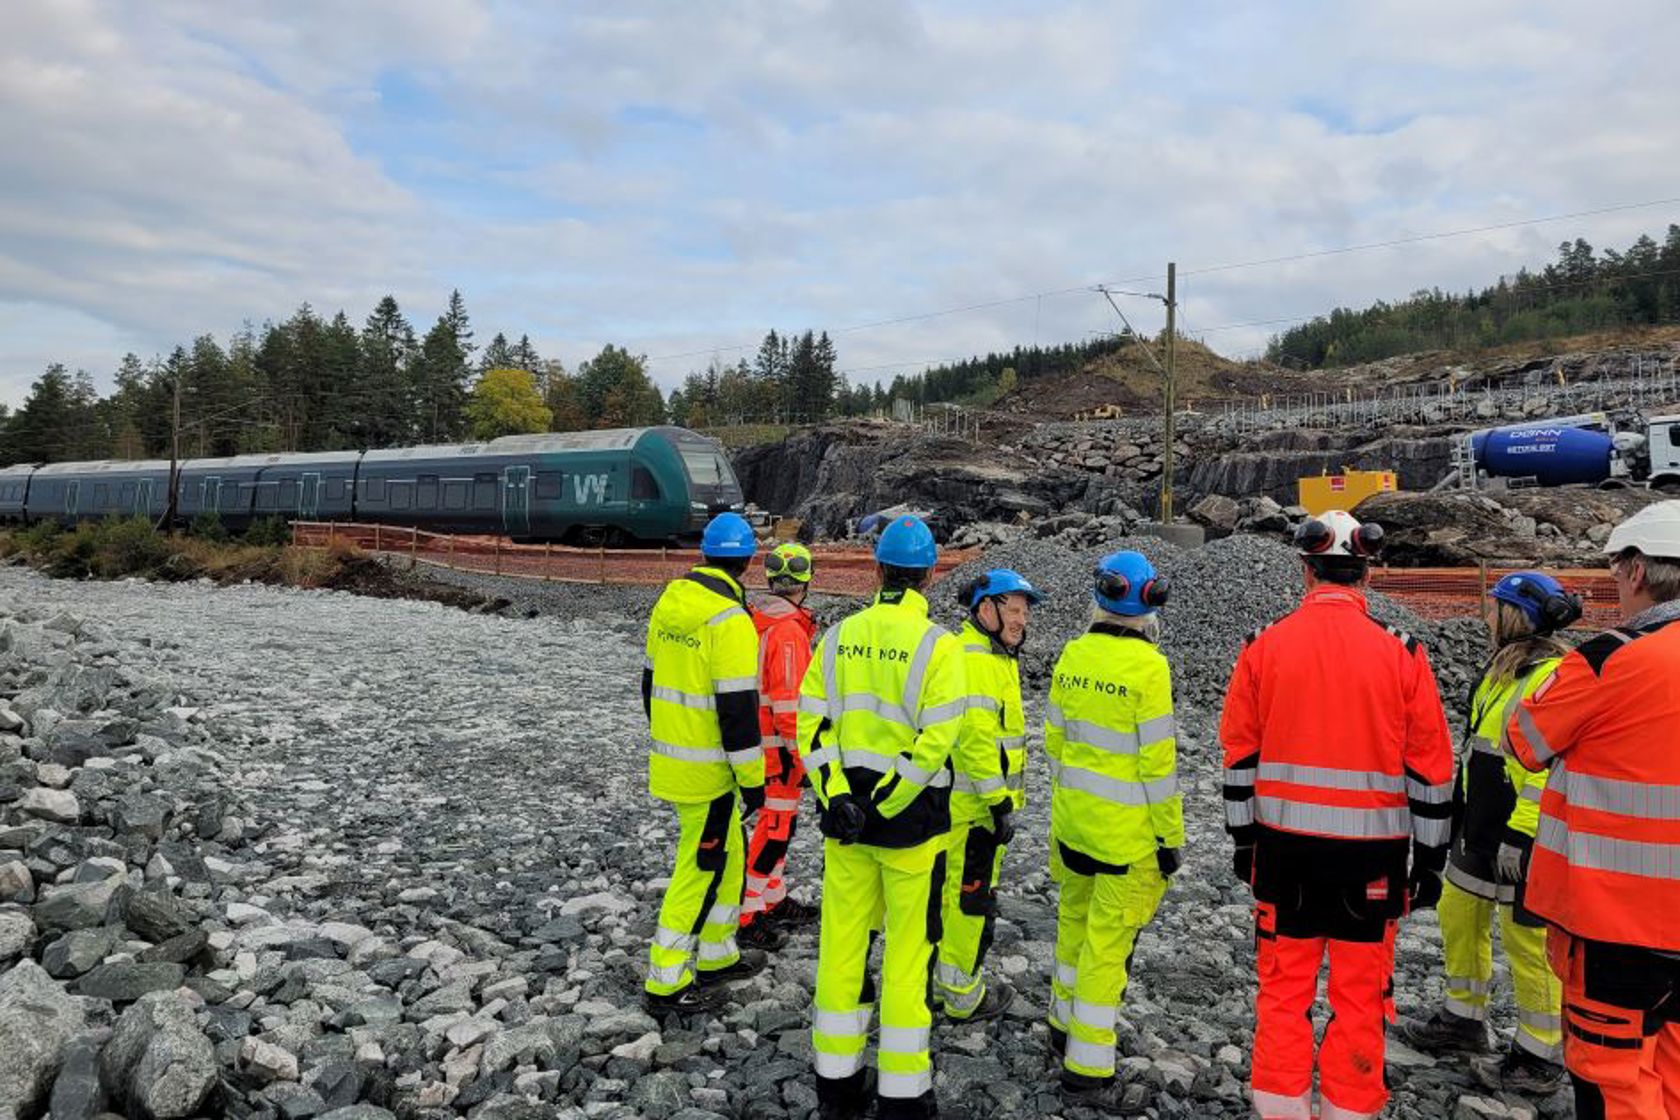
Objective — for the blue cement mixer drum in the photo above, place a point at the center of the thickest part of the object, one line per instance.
(1552, 455)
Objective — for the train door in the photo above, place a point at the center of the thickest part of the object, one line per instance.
(143, 498)
(516, 501)
(210, 494)
(309, 498)
(72, 498)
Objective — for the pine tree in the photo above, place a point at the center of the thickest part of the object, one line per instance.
(525, 355)
(386, 401)
(497, 355)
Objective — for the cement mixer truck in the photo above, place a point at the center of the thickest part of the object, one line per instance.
(1579, 450)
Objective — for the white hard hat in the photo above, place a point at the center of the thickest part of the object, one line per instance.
(1654, 531)
(1336, 532)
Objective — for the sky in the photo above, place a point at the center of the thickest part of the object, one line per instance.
(679, 178)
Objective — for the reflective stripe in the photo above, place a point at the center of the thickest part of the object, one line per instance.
(1429, 793)
(1606, 853)
(1276, 1106)
(1547, 1051)
(836, 1066)
(819, 758)
(771, 741)
(1102, 738)
(950, 976)
(1053, 716)
(904, 1086)
(1469, 984)
(1152, 731)
(1532, 793)
(963, 1003)
(842, 1022)
(865, 759)
(1067, 974)
(1481, 888)
(904, 1040)
(724, 950)
(686, 699)
(782, 804)
(668, 973)
(939, 713)
(689, 754)
(831, 678)
(721, 915)
(970, 647)
(671, 939)
(1240, 776)
(1012, 742)
(1432, 833)
(962, 783)
(725, 615)
(1117, 790)
(914, 774)
(1543, 751)
(783, 707)
(1476, 1011)
(1332, 820)
(1481, 744)
(1645, 800)
(984, 703)
(1061, 1010)
(868, 702)
(1539, 1020)
(1091, 1055)
(918, 670)
(745, 756)
(735, 684)
(811, 706)
(1096, 1016)
(1330, 777)
(1015, 779)
(1239, 814)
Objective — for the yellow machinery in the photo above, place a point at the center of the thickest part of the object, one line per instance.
(1343, 491)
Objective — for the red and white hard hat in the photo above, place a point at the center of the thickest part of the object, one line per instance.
(1337, 532)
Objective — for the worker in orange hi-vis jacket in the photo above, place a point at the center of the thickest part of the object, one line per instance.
(1338, 766)
(1605, 868)
(785, 634)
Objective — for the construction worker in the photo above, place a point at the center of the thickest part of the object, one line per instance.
(1116, 815)
(700, 693)
(1337, 762)
(785, 632)
(989, 783)
(1605, 870)
(1498, 812)
(879, 715)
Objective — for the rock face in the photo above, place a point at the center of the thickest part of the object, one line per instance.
(37, 1021)
(158, 1063)
(1521, 527)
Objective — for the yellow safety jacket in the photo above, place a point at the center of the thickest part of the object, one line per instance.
(991, 755)
(700, 690)
(879, 712)
(1109, 733)
(1499, 799)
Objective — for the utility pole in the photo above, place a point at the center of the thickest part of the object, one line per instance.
(1166, 513)
(174, 457)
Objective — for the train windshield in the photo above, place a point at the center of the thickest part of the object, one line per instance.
(706, 467)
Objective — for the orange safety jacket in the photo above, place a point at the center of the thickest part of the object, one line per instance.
(785, 634)
(1336, 745)
(1606, 861)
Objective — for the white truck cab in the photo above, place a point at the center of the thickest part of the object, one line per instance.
(1662, 435)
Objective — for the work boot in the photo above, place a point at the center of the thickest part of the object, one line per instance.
(760, 934)
(752, 963)
(1519, 1072)
(845, 1098)
(1107, 1095)
(1058, 1043)
(1445, 1032)
(999, 995)
(790, 913)
(923, 1107)
(692, 1000)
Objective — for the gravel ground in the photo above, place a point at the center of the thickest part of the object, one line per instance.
(444, 869)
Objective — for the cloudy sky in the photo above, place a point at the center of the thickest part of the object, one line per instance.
(679, 177)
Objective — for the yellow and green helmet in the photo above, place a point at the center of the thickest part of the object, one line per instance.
(788, 562)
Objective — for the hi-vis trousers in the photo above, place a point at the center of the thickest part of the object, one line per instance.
(862, 885)
(767, 852)
(699, 915)
(970, 914)
(1621, 1008)
(1467, 932)
(1097, 923)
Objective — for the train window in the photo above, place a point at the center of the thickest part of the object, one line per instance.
(643, 485)
(100, 492)
(455, 494)
(373, 489)
(230, 495)
(704, 466)
(402, 494)
(288, 494)
(125, 495)
(484, 491)
(332, 489)
(426, 492)
(548, 486)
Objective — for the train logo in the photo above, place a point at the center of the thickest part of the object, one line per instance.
(589, 489)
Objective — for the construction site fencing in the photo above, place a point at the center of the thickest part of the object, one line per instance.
(1444, 593)
(839, 570)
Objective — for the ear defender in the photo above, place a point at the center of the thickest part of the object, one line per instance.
(1367, 540)
(1155, 592)
(1314, 536)
(1113, 585)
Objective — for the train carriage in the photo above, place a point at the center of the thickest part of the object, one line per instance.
(14, 491)
(72, 492)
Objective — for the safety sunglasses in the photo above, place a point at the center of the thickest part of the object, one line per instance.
(778, 565)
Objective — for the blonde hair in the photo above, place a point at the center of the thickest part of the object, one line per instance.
(1516, 644)
(1147, 625)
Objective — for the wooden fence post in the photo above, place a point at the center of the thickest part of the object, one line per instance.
(376, 547)
(548, 561)
(451, 560)
(602, 575)
(498, 555)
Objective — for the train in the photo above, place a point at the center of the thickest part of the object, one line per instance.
(1572, 450)
(618, 486)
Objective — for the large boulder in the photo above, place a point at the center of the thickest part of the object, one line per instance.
(37, 1021)
(17, 934)
(158, 1064)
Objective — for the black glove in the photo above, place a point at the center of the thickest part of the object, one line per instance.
(1242, 863)
(843, 819)
(1003, 824)
(1423, 889)
(752, 800)
(1168, 860)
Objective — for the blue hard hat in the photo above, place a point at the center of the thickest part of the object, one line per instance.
(907, 543)
(1127, 583)
(1000, 581)
(1545, 602)
(728, 537)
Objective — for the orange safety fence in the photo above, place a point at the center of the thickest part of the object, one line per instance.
(1442, 593)
(839, 570)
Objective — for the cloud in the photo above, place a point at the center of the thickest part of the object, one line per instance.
(679, 177)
